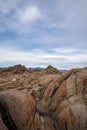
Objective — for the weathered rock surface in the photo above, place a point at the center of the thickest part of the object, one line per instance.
(65, 101)
(17, 69)
(17, 110)
(61, 99)
(51, 70)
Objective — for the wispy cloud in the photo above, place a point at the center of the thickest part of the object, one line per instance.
(65, 50)
(42, 58)
(19, 19)
(38, 33)
(28, 15)
(25, 18)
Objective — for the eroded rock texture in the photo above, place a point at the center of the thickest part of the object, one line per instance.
(17, 110)
(43, 99)
(65, 100)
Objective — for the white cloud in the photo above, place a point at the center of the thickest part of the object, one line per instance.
(19, 19)
(60, 27)
(24, 19)
(65, 50)
(79, 58)
(38, 57)
(28, 15)
(74, 16)
(8, 5)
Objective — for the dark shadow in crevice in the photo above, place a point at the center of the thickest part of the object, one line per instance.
(6, 117)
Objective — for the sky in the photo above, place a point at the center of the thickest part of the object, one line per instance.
(38, 33)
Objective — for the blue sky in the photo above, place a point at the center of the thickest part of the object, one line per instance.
(43, 32)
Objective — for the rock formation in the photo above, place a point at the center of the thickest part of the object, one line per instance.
(53, 101)
(17, 69)
(51, 70)
(65, 100)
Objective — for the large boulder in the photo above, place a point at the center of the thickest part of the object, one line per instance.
(17, 110)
